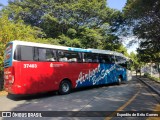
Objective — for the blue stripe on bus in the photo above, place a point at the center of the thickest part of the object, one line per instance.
(79, 50)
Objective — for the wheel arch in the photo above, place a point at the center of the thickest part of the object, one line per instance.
(65, 86)
(121, 76)
(66, 79)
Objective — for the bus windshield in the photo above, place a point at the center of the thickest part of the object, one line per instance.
(8, 55)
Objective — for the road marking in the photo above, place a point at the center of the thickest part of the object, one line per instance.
(157, 108)
(123, 106)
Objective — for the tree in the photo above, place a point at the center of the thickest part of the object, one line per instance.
(91, 38)
(9, 30)
(144, 17)
(147, 56)
(87, 23)
(134, 59)
(59, 15)
(77, 23)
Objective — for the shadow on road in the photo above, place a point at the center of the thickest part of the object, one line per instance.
(30, 97)
(54, 93)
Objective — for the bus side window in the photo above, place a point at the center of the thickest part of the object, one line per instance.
(62, 57)
(95, 58)
(121, 61)
(17, 53)
(112, 58)
(36, 54)
(87, 57)
(26, 53)
(104, 58)
(54, 55)
(73, 57)
(69, 56)
(51, 55)
(101, 59)
(80, 56)
(118, 59)
(42, 54)
(90, 57)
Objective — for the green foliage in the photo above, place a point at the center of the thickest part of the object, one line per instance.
(91, 38)
(85, 22)
(149, 55)
(66, 41)
(9, 30)
(56, 17)
(135, 61)
(144, 17)
(151, 77)
(123, 50)
(75, 23)
(71, 32)
(147, 75)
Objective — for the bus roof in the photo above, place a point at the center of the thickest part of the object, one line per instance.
(17, 42)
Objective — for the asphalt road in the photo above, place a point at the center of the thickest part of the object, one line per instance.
(131, 96)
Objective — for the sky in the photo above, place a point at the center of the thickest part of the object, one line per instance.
(115, 4)
(119, 4)
(4, 2)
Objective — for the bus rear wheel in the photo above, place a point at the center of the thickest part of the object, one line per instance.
(65, 87)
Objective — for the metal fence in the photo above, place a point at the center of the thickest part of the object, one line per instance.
(151, 69)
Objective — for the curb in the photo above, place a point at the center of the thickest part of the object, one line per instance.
(153, 89)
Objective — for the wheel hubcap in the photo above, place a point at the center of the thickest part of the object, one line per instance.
(65, 87)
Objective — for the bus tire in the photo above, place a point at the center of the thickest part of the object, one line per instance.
(65, 87)
(119, 80)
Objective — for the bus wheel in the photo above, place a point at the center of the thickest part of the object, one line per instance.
(119, 80)
(65, 87)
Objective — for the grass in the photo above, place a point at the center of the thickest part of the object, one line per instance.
(151, 77)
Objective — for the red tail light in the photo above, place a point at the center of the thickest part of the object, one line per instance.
(9, 75)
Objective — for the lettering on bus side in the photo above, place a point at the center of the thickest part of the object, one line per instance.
(30, 65)
(94, 76)
(56, 65)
